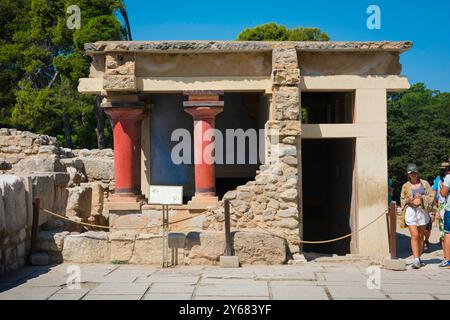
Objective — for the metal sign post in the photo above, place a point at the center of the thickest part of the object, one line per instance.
(165, 196)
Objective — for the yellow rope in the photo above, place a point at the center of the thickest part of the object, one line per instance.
(118, 228)
(331, 240)
(178, 221)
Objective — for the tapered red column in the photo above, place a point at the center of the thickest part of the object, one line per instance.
(126, 120)
(204, 106)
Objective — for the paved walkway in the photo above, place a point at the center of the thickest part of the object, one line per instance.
(312, 280)
(309, 281)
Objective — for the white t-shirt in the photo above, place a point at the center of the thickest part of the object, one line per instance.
(447, 184)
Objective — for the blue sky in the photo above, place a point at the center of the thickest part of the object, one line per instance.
(426, 23)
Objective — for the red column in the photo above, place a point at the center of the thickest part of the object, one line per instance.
(127, 151)
(204, 108)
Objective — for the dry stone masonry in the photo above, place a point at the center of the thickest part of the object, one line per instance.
(271, 202)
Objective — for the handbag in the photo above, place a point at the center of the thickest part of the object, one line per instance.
(403, 224)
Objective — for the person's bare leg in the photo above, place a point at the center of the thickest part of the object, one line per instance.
(447, 246)
(413, 230)
(421, 231)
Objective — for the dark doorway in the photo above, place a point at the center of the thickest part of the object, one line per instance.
(327, 183)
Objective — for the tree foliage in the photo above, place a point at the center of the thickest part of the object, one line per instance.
(276, 32)
(41, 60)
(418, 132)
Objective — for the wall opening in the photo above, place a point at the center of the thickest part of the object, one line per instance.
(327, 186)
(241, 111)
(327, 107)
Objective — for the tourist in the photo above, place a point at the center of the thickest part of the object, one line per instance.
(445, 193)
(417, 199)
(440, 201)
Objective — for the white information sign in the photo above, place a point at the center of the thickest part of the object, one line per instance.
(169, 195)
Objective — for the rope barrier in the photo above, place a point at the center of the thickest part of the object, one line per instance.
(335, 239)
(119, 228)
(211, 213)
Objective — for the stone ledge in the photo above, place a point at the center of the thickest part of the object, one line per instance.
(230, 46)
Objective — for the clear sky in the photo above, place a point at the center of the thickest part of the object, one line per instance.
(426, 23)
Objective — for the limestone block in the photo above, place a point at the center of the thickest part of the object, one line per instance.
(49, 149)
(13, 209)
(119, 83)
(79, 201)
(288, 213)
(286, 77)
(287, 103)
(51, 240)
(283, 128)
(119, 64)
(147, 249)
(288, 223)
(205, 247)
(289, 195)
(259, 248)
(4, 141)
(88, 247)
(39, 164)
(284, 58)
(98, 169)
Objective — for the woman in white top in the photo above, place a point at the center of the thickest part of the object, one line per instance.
(417, 196)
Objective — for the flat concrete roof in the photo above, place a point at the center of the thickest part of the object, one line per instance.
(243, 46)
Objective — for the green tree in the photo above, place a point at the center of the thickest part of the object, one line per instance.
(43, 59)
(276, 32)
(417, 132)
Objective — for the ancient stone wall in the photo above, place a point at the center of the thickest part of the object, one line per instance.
(72, 183)
(13, 223)
(271, 201)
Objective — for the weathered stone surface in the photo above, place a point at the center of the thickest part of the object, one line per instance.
(284, 77)
(98, 169)
(13, 209)
(289, 195)
(220, 46)
(287, 103)
(89, 247)
(147, 250)
(119, 83)
(205, 247)
(288, 213)
(259, 248)
(39, 164)
(79, 202)
(284, 57)
(288, 223)
(51, 240)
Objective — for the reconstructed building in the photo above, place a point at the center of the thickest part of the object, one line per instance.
(322, 104)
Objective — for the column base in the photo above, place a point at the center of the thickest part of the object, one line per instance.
(203, 202)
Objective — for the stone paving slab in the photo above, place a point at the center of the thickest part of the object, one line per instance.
(411, 296)
(171, 288)
(241, 298)
(167, 296)
(29, 293)
(292, 292)
(120, 289)
(233, 290)
(90, 296)
(335, 281)
(71, 296)
(352, 292)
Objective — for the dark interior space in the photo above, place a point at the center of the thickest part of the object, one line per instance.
(241, 111)
(327, 179)
(327, 107)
